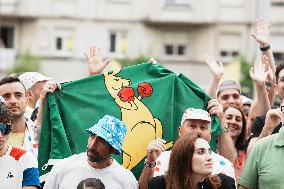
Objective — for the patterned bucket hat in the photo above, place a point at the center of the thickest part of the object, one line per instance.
(112, 130)
(192, 113)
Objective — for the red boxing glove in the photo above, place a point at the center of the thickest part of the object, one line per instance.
(126, 94)
(145, 89)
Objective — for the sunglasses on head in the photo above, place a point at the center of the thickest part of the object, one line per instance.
(5, 128)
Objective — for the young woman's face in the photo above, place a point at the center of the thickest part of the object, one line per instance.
(202, 163)
(233, 118)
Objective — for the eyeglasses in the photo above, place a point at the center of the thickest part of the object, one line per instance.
(5, 128)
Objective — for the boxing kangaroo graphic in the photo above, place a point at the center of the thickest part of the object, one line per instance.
(142, 126)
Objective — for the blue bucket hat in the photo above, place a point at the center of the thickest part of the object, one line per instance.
(112, 130)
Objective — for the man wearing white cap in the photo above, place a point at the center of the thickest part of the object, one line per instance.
(34, 83)
(194, 121)
(106, 138)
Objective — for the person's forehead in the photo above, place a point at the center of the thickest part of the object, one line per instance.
(281, 73)
(201, 143)
(233, 111)
(228, 92)
(12, 88)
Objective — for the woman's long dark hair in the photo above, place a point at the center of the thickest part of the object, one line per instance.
(180, 165)
(180, 168)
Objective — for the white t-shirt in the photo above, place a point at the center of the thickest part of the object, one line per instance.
(71, 171)
(220, 164)
(18, 168)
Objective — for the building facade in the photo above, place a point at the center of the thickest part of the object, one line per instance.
(175, 32)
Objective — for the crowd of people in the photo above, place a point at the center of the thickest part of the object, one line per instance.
(249, 152)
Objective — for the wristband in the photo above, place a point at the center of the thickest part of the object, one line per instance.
(268, 85)
(264, 48)
(151, 165)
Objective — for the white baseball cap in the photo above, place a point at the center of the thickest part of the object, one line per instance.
(192, 113)
(28, 79)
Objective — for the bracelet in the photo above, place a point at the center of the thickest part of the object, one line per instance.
(151, 165)
(264, 48)
(268, 84)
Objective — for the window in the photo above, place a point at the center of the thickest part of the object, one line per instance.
(59, 43)
(7, 37)
(229, 46)
(112, 42)
(169, 49)
(64, 40)
(224, 53)
(277, 2)
(179, 50)
(118, 42)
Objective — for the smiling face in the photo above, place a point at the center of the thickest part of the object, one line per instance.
(234, 120)
(14, 94)
(202, 163)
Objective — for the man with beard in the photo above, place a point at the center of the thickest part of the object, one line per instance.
(22, 135)
(106, 138)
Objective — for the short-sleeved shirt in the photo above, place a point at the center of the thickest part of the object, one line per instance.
(71, 171)
(18, 169)
(258, 125)
(220, 165)
(265, 164)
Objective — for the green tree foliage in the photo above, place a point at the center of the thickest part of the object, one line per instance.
(246, 81)
(26, 62)
(138, 60)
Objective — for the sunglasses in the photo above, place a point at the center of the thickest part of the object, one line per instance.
(5, 128)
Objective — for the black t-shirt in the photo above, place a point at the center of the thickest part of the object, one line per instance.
(227, 183)
(258, 125)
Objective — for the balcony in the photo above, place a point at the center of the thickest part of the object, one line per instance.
(8, 7)
(179, 12)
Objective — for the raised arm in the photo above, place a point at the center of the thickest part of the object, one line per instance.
(154, 150)
(262, 37)
(94, 61)
(226, 145)
(217, 70)
(49, 87)
(261, 103)
(272, 120)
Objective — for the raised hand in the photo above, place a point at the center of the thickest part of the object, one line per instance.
(216, 68)
(260, 72)
(262, 32)
(273, 118)
(94, 61)
(154, 149)
(49, 87)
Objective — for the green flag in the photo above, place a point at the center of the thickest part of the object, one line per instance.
(148, 98)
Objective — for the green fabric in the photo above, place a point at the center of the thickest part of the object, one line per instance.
(264, 167)
(80, 104)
